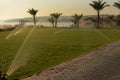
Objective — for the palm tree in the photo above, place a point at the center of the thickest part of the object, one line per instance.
(52, 21)
(98, 6)
(117, 4)
(33, 12)
(76, 19)
(55, 16)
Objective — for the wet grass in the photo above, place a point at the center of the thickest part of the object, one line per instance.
(48, 47)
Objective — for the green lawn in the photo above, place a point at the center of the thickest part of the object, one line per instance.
(47, 47)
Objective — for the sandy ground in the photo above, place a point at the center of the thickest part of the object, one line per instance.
(101, 64)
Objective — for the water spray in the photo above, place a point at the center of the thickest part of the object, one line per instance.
(19, 31)
(17, 63)
(103, 35)
(12, 32)
(15, 32)
(59, 31)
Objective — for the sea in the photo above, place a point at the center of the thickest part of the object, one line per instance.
(60, 24)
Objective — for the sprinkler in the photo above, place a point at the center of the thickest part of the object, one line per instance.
(3, 76)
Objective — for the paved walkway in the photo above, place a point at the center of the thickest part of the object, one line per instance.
(101, 64)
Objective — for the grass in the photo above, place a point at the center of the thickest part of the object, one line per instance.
(48, 47)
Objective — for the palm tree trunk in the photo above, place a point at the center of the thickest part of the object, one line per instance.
(52, 24)
(78, 24)
(34, 19)
(98, 20)
(55, 23)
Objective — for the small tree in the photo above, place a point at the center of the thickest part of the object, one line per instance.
(98, 6)
(92, 19)
(118, 20)
(52, 21)
(110, 19)
(76, 19)
(33, 12)
(22, 23)
(56, 17)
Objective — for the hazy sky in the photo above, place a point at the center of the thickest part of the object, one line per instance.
(18, 8)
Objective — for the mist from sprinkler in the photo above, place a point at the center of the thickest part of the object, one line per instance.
(10, 34)
(103, 35)
(15, 32)
(18, 61)
(20, 30)
(59, 31)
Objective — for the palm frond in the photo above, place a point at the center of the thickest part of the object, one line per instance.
(32, 11)
(117, 4)
(76, 18)
(99, 5)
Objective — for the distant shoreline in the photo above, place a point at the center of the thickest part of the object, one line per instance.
(60, 24)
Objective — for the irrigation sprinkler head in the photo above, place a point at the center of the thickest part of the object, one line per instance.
(3, 76)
